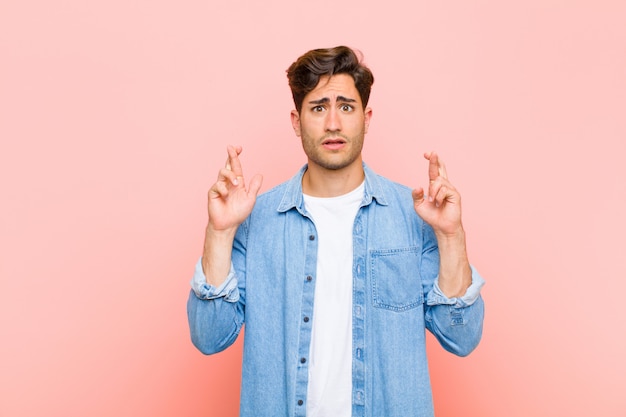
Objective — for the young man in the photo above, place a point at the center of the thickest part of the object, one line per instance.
(337, 272)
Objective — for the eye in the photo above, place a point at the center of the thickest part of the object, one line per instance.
(317, 109)
(346, 108)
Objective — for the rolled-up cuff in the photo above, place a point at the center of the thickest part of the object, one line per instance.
(228, 289)
(436, 296)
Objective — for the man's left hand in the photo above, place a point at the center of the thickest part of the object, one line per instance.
(441, 208)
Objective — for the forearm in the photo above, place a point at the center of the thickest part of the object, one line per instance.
(456, 322)
(455, 275)
(217, 255)
(458, 330)
(214, 324)
(215, 314)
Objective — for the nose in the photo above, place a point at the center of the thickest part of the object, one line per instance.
(333, 120)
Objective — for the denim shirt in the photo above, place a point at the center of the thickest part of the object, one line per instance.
(271, 288)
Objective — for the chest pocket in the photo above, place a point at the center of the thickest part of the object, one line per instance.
(396, 281)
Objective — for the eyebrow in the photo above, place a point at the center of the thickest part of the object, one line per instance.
(327, 100)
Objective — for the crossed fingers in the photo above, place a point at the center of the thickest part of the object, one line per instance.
(439, 188)
(231, 175)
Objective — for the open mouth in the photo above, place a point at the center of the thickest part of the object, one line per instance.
(334, 143)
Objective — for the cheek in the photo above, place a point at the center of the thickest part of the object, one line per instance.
(311, 128)
(358, 127)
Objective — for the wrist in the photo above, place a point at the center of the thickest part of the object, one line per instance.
(455, 281)
(454, 271)
(455, 238)
(219, 234)
(216, 257)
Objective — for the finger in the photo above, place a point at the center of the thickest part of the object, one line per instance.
(255, 184)
(226, 175)
(442, 170)
(433, 166)
(218, 190)
(227, 163)
(437, 185)
(238, 150)
(233, 163)
(441, 196)
(433, 189)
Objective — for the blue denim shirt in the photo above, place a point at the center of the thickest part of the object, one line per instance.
(395, 298)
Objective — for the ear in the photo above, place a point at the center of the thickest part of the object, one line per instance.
(368, 118)
(295, 122)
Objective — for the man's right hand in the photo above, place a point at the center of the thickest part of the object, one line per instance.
(230, 203)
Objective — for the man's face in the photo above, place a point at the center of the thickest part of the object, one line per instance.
(332, 123)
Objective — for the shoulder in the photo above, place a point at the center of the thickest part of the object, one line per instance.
(284, 196)
(393, 197)
(387, 191)
(270, 198)
(393, 186)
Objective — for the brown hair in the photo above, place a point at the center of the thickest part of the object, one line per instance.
(305, 73)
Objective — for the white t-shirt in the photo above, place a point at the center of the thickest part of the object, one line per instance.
(330, 364)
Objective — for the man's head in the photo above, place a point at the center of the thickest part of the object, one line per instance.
(304, 74)
(331, 89)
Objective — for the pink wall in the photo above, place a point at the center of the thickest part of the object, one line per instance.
(114, 118)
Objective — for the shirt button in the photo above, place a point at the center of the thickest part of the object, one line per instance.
(302, 360)
(306, 319)
(311, 237)
(309, 278)
(300, 402)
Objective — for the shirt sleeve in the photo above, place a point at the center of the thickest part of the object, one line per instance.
(436, 296)
(227, 290)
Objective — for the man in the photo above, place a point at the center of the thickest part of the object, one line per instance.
(337, 272)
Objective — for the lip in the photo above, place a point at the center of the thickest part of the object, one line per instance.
(333, 140)
(334, 143)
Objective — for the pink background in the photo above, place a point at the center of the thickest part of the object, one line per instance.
(114, 117)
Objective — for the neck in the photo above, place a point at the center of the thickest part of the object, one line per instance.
(322, 182)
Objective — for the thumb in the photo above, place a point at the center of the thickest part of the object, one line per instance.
(418, 196)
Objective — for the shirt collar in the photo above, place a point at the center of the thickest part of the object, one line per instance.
(292, 197)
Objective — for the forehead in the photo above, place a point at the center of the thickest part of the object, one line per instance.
(333, 86)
